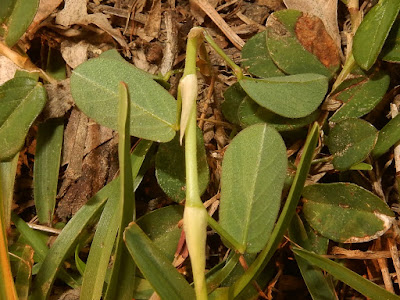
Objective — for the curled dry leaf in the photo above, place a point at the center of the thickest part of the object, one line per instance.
(46, 8)
(326, 10)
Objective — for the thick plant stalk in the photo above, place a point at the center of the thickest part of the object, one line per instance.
(195, 215)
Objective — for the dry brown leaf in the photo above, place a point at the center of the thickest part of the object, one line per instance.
(152, 26)
(46, 8)
(7, 69)
(326, 10)
(74, 53)
(75, 12)
(59, 99)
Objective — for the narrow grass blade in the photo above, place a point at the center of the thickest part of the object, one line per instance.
(100, 250)
(85, 217)
(8, 170)
(285, 217)
(123, 272)
(163, 277)
(24, 273)
(46, 168)
(357, 282)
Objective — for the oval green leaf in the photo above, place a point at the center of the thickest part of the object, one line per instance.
(21, 101)
(256, 58)
(233, 96)
(18, 21)
(94, 86)
(373, 31)
(350, 142)
(161, 226)
(251, 113)
(294, 96)
(387, 137)
(391, 49)
(170, 168)
(360, 95)
(298, 43)
(253, 172)
(345, 212)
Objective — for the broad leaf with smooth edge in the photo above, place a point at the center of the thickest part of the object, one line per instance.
(251, 184)
(294, 96)
(233, 96)
(256, 58)
(360, 96)
(387, 137)
(164, 278)
(94, 88)
(350, 142)
(170, 168)
(373, 31)
(18, 21)
(251, 113)
(345, 212)
(352, 279)
(21, 101)
(391, 49)
(298, 43)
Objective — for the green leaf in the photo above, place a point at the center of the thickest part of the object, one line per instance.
(251, 184)
(100, 250)
(350, 142)
(288, 211)
(46, 168)
(361, 96)
(24, 273)
(391, 49)
(19, 20)
(373, 31)
(21, 101)
(319, 286)
(256, 58)
(164, 278)
(161, 226)
(170, 168)
(345, 212)
(153, 110)
(251, 113)
(6, 9)
(8, 170)
(120, 285)
(387, 137)
(357, 282)
(84, 218)
(233, 96)
(294, 96)
(298, 43)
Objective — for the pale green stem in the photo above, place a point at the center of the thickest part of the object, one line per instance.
(195, 215)
(236, 69)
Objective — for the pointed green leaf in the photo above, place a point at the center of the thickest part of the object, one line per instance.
(391, 49)
(170, 168)
(350, 142)
(256, 58)
(345, 212)
(24, 272)
(94, 88)
(8, 170)
(161, 226)
(252, 181)
(387, 137)
(251, 113)
(319, 285)
(361, 95)
(373, 31)
(357, 282)
(298, 43)
(46, 167)
(233, 96)
(164, 278)
(19, 20)
(294, 96)
(21, 101)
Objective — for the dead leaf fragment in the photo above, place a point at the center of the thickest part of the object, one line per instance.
(7, 69)
(311, 33)
(59, 99)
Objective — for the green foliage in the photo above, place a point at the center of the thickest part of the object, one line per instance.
(250, 203)
(345, 212)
